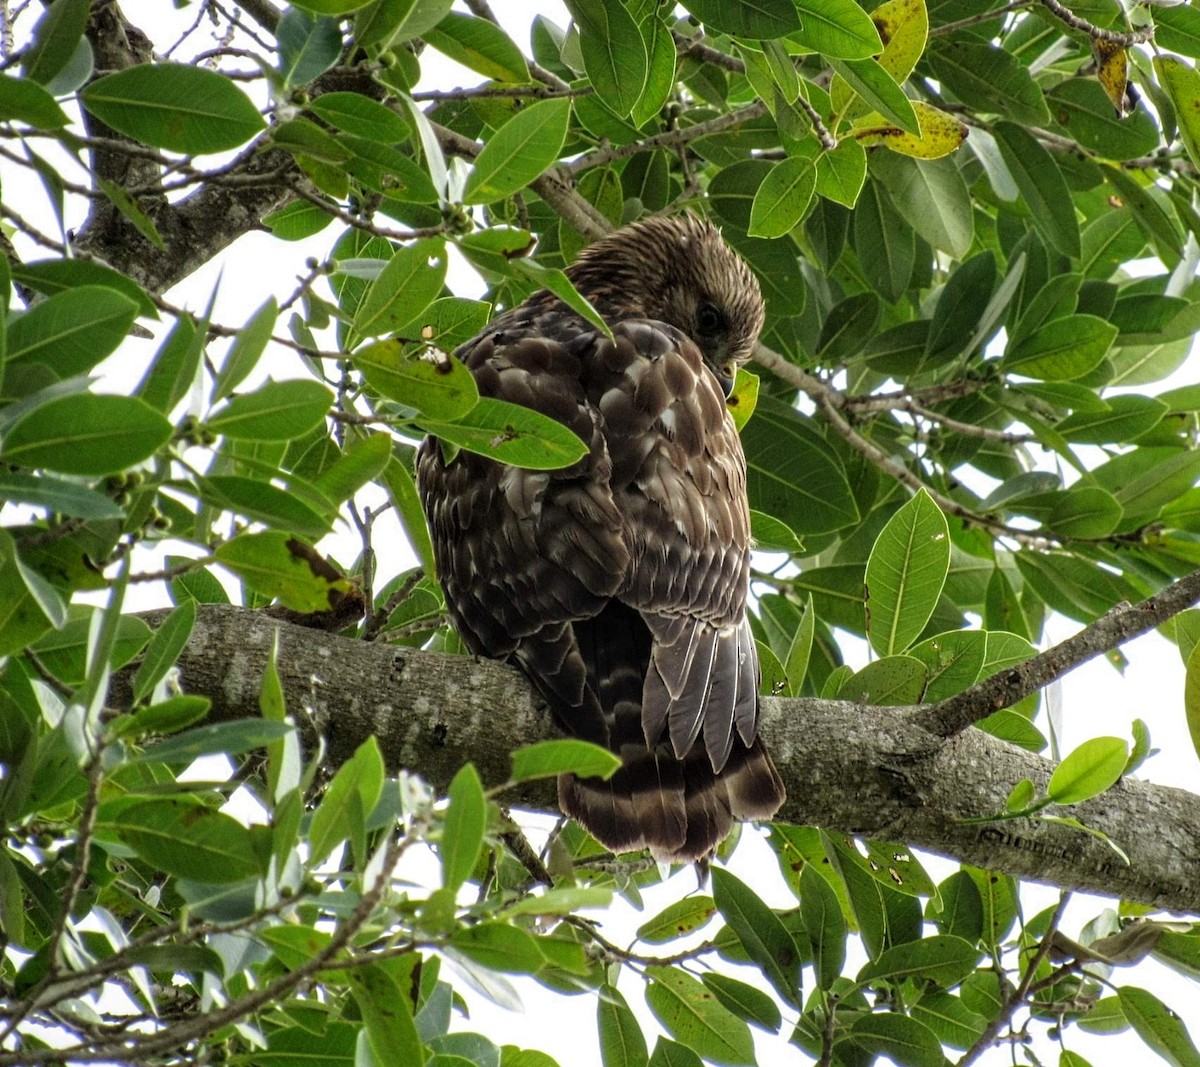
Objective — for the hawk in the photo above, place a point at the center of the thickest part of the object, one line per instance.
(618, 585)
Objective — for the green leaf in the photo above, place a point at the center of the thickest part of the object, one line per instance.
(1043, 188)
(953, 662)
(181, 108)
(66, 498)
(443, 389)
(762, 20)
(902, 1039)
(825, 924)
(931, 196)
(761, 933)
(26, 101)
(164, 648)
(360, 115)
(308, 46)
(86, 433)
(990, 79)
(363, 462)
(406, 286)
(561, 901)
(218, 738)
(547, 759)
(350, 797)
(783, 197)
(875, 86)
(402, 491)
(561, 286)
(675, 920)
(838, 29)
(1177, 29)
(745, 1001)
(276, 411)
(692, 1014)
(72, 331)
(793, 474)
(841, 172)
(1158, 1026)
(171, 375)
(52, 276)
(621, 1041)
(519, 151)
(246, 349)
(499, 947)
(890, 681)
(390, 22)
(511, 434)
(668, 1053)
(1191, 696)
(1181, 83)
(1063, 349)
(905, 574)
(479, 45)
(463, 829)
(56, 37)
(263, 502)
(1089, 770)
(383, 993)
(942, 958)
(1081, 107)
(278, 565)
(183, 837)
(614, 54)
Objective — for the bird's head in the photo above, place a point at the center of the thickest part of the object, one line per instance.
(680, 271)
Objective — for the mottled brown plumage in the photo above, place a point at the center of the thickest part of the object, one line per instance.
(619, 584)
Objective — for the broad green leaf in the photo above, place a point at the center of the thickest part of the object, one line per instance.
(276, 411)
(1146, 480)
(1191, 697)
(463, 829)
(440, 388)
(764, 19)
(793, 474)
(761, 933)
(308, 46)
(480, 45)
(614, 53)
(56, 36)
(26, 101)
(181, 108)
(622, 1043)
(71, 331)
(51, 276)
(246, 349)
(745, 1001)
(406, 286)
(511, 434)
(890, 681)
(661, 61)
(164, 648)
(86, 433)
(348, 800)
(941, 958)
(838, 29)
(228, 738)
(360, 115)
(904, 1040)
(363, 462)
(744, 398)
(561, 901)
(885, 245)
(331, 7)
(841, 172)
(989, 79)
(1062, 350)
(668, 1053)
(677, 919)
(783, 197)
(58, 495)
(1044, 190)
(560, 285)
(1181, 83)
(1158, 1026)
(961, 305)
(170, 377)
(499, 947)
(64, 652)
(183, 837)
(383, 993)
(931, 196)
(905, 574)
(1177, 29)
(402, 491)
(1080, 106)
(879, 92)
(448, 322)
(826, 926)
(547, 759)
(278, 565)
(519, 151)
(1089, 770)
(952, 661)
(692, 1015)
(263, 502)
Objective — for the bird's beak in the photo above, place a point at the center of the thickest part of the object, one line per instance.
(726, 372)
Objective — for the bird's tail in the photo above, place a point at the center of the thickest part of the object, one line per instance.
(680, 809)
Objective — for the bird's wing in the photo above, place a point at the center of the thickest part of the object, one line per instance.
(679, 484)
(521, 554)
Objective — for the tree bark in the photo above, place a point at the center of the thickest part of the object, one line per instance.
(870, 771)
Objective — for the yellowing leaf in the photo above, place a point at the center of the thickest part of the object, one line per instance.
(1112, 72)
(941, 134)
(903, 26)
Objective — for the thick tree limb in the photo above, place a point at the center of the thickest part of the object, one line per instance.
(877, 772)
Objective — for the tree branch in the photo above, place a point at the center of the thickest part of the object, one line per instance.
(876, 772)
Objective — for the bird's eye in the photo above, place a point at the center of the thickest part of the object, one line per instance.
(709, 320)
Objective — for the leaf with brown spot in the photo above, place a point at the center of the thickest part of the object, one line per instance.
(1112, 72)
(941, 133)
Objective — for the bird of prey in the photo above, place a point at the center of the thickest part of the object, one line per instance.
(618, 585)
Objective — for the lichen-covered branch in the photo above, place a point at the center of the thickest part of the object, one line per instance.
(877, 772)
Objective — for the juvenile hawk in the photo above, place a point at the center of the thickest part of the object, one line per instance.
(618, 585)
